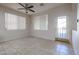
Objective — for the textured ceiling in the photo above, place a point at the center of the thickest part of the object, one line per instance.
(37, 7)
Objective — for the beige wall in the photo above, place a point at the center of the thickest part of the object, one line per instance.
(64, 10)
(11, 34)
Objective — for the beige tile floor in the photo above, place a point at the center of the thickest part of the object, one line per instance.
(34, 46)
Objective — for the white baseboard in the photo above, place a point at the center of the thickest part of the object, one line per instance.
(40, 37)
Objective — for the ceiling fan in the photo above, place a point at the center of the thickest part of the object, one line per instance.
(26, 7)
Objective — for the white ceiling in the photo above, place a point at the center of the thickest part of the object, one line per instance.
(37, 7)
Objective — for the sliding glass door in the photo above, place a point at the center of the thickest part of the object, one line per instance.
(61, 27)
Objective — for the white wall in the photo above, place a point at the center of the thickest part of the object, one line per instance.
(78, 11)
(74, 16)
(64, 10)
(75, 34)
(11, 34)
(78, 16)
(75, 41)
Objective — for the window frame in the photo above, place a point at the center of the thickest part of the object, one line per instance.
(17, 20)
(40, 22)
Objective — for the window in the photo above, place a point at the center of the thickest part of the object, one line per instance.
(13, 22)
(61, 27)
(41, 22)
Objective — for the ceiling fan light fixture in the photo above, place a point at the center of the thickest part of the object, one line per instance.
(41, 4)
(26, 12)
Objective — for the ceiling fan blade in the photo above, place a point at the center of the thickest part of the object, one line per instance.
(21, 8)
(31, 10)
(21, 5)
(30, 6)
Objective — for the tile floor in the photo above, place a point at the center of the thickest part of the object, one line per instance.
(34, 46)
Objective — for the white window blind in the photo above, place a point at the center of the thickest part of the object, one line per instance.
(14, 22)
(62, 32)
(36, 23)
(21, 22)
(41, 22)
